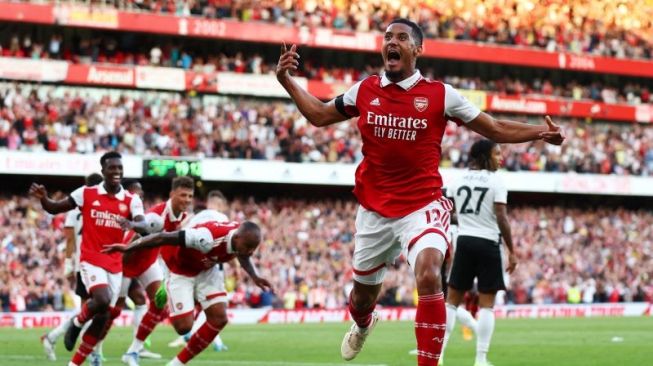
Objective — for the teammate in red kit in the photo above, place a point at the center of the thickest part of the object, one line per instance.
(104, 207)
(143, 265)
(191, 256)
(398, 184)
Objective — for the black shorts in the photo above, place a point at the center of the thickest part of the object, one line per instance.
(477, 258)
(80, 289)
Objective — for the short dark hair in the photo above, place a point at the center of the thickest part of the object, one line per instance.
(480, 154)
(109, 155)
(251, 228)
(93, 179)
(216, 194)
(128, 183)
(416, 31)
(183, 182)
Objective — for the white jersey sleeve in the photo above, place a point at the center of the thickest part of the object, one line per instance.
(199, 238)
(501, 192)
(78, 196)
(71, 218)
(351, 95)
(457, 106)
(136, 206)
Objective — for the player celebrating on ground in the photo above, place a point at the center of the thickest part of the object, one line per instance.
(73, 233)
(142, 264)
(398, 185)
(481, 199)
(104, 208)
(216, 206)
(191, 255)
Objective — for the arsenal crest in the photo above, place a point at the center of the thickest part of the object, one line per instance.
(421, 103)
(122, 207)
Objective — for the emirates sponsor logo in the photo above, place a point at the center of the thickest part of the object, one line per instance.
(421, 103)
(116, 76)
(518, 105)
(396, 127)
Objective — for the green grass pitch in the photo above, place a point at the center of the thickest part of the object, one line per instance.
(537, 342)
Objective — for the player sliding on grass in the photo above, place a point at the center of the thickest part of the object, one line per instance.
(191, 256)
(402, 118)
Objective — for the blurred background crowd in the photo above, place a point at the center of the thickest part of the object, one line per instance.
(566, 255)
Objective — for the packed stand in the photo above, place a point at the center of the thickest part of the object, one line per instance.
(107, 50)
(607, 254)
(620, 29)
(152, 123)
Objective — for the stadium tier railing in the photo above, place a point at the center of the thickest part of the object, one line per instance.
(22, 320)
(108, 18)
(176, 79)
(337, 174)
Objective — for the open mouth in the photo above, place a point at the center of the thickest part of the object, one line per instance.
(394, 55)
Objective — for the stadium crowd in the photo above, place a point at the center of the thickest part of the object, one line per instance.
(566, 256)
(89, 120)
(108, 49)
(599, 27)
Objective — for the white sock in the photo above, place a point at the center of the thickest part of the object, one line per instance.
(465, 318)
(484, 335)
(57, 332)
(139, 313)
(451, 323)
(175, 362)
(218, 341)
(98, 347)
(136, 346)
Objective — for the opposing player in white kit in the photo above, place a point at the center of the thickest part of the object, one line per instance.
(191, 255)
(216, 206)
(480, 199)
(402, 118)
(73, 233)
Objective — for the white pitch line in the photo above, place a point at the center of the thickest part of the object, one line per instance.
(220, 362)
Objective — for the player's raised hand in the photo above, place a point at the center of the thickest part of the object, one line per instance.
(112, 248)
(288, 61)
(512, 262)
(554, 135)
(263, 284)
(38, 191)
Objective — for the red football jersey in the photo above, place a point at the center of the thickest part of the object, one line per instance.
(402, 125)
(101, 213)
(206, 245)
(134, 264)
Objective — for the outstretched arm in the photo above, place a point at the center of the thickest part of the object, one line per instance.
(316, 112)
(50, 205)
(246, 263)
(503, 130)
(154, 240)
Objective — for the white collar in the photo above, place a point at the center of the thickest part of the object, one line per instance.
(120, 195)
(171, 213)
(405, 84)
(230, 246)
